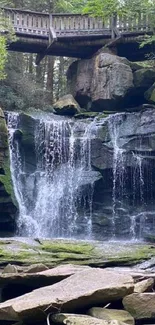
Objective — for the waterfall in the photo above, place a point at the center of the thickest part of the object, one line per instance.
(118, 192)
(56, 199)
(71, 189)
(132, 179)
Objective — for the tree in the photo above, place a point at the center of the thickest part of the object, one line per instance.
(3, 39)
(3, 57)
(107, 8)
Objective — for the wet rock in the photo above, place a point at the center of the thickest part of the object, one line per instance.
(112, 314)
(81, 290)
(27, 126)
(101, 82)
(140, 305)
(74, 319)
(66, 105)
(144, 286)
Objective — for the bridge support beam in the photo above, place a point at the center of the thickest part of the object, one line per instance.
(52, 39)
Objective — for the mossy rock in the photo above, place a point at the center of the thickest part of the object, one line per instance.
(67, 105)
(144, 78)
(150, 94)
(56, 252)
(84, 115)
(8, 205)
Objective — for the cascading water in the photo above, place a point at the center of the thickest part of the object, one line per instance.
(132, 179)
(118, 193)
(61, 185)
(91, 179)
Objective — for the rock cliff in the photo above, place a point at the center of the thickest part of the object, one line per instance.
(8, 207)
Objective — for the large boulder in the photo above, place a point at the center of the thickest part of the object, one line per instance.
(66, 105)
(8, 206)
(81, 290)
(112, 314)
(101, 82)
(140, 305)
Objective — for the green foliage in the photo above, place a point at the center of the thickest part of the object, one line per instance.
(3, 57)
(102, 8)
(131, 8)
(5, 25)
(107, 8)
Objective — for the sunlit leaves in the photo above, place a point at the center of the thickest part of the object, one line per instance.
(3, 56)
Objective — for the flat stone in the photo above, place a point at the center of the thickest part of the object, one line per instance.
(112, 314)
(10, 269)
(74, 319)
(144, 286)
(140, 305)
(81, 290)
(43, 278)
(37, 268)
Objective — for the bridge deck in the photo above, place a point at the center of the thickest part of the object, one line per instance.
(69, 32)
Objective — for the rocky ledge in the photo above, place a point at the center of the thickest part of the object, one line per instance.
(75, 294)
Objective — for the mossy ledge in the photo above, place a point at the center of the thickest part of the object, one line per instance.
(56, 252)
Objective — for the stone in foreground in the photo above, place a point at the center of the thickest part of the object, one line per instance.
(74, 319)
(81, 290)
(39, 279)
(140, 305)
(144, 286)
(112, 314)
(66, 105)
(36, 268)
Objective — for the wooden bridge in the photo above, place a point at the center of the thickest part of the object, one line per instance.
(75, 35)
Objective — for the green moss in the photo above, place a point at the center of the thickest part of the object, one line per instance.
(6, 179)
(68, 247)
(86, 115)
(152, 98)
(131, 257)
(54, 252)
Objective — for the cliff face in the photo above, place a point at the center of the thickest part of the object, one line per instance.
(8, 207)
(121, 168)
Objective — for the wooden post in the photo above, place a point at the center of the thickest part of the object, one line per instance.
(52, 39)
(113, 25)
(50, 28)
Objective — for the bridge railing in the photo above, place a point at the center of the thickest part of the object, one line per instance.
(34, 23)
(30, 22)
(139, 22)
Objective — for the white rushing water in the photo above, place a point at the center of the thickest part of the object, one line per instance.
(61, 185)
(56, 198)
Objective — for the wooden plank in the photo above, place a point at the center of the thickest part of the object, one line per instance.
(40, 56)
